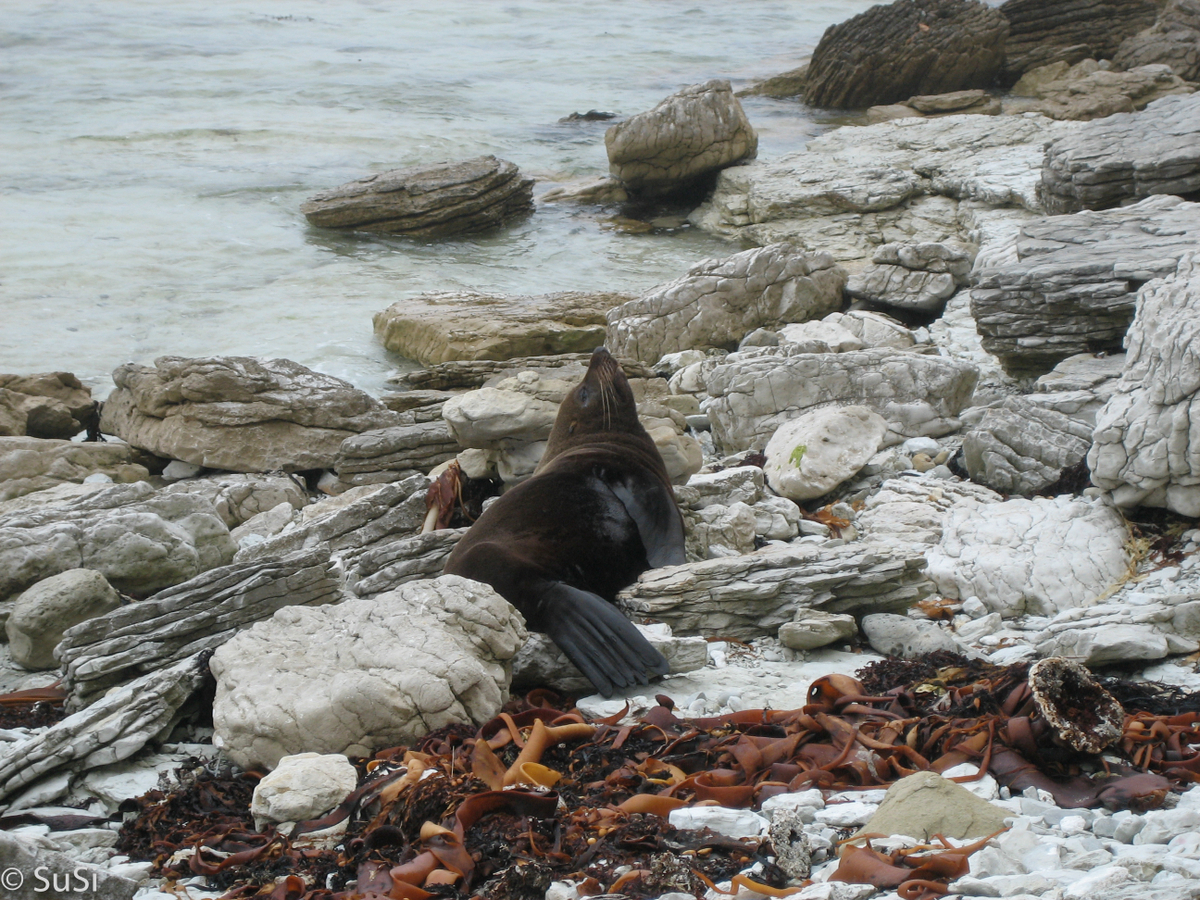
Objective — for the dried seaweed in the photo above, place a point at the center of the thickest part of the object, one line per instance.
(36, 708)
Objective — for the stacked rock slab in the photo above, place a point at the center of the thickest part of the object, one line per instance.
(1125, 157)
(391, 454)
(1143, 448)
(427, 201)
(907, 48)
(720, 301)
(1091, 90)
(468, 325)
(1066, 284)
(55, 405)
(1019, 447)
(1173, 40)
(692, 133)
(239, 413)
(33, 464)
(912, 277)
(1047, 31)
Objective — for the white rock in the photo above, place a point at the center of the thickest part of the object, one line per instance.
(814, 453)
(985, 787)
(844, 815)
(177, 470)
(303, 786)
(1102, 879)
(734, 823)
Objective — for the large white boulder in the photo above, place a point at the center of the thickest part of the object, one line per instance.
(811, 455)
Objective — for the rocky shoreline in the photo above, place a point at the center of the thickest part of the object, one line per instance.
(940, 408)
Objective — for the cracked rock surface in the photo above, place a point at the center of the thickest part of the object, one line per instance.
(1173, 40)
(1019, 447)
(391, 668)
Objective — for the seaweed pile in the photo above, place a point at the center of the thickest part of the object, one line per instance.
(538, 794)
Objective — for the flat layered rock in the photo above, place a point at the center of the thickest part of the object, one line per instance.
(695, 131)
(238, 413)
(910, 510)
(751, 596)
(178, 622)
(1143, 451)
(29, 464)
(427, 201)
(467, 325)
(1173, 40)
(1125, 157)
(238, 498)
(906, 48)
(1020, 447)
(386, 567)
(1088, 90)
(390, 454)
(56, 405)
(915, 394)
(912, 277)
(1046, 31)
(1064, 285)
(720, 301)
(139, 540)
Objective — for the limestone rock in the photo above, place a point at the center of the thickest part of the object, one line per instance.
(1091, 90)
(1046, 31)
(1118, 632)
(1142, 451)
(522, 408)
(911, 181)
(30, 464)
(910, 510)
(113, 728)
(1032, 557)
(871, 328)
(138, 540)
(813, 628)
(42, 613)
(720, 301)
(753, 595)
(391, 564)
(693, 132)
(812, 454)
(1080, 385)
(427, 201)
(1066, 284)
(468, 325)
(303, 786)
(43, 868)
(237, 498)
(725, 513)
(896, 635)
(238, 413)
(57, 406)
(719, 531)
(823, 336)
(1173, 40)
(391, 454)
(390, 669)
(926, 804)
(918, 277)
(1125, 157)
(908, 47)
(915, 394)
(199, 614)
(737, 484)
(473, 373)
(1019, 447)
(13, 418)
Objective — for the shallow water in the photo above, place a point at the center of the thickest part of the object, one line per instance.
(153, 159)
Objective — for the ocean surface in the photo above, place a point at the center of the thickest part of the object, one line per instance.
(153, 158)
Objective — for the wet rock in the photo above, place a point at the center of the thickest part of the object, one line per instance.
(692, 133)
(912, 181)
(42, 613)
(812, 454)
(238, 413)
(926, 804)
(754, 594)
(1030, 556)
(813, 628)
(139, 540)
(237, 498)
(113, 728)
(395, 453)
(1142, 452)
(1064, 285)
(468, 325)
(301, 787)
(427, 201)
(1125, 157)
(781, 87)
(1019, 447)
(1084, 715)
(1091, 90)
(1042, 32)
(915, 394)
(895, 635)
(30, 464)
(916, 277)
(908, 47)
(720, 301)
(199, 614)
(56, 405)
(395, 667)
(1173, 40)
(41, 869)
(396, 562)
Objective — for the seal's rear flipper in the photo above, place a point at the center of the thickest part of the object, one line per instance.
(604, 645)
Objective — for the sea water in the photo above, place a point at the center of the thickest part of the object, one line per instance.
(154, 156)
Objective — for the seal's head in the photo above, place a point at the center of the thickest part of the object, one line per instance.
(601, 404)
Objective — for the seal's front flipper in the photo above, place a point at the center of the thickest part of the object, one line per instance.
(653, 510)
(604, 645)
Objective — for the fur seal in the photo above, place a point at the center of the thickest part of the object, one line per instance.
(597, 512)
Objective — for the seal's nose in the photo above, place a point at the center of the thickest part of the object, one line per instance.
(599, 355)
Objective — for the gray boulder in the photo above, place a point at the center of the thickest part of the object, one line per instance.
(1173, 40)
(389, 565)
(139, 540)
(1142, 450)
(720, 301)
(56, 404)
(43, 868)
(42, 613)
(237, 497)
(1066, 284)
(906, 48)
(29, 464)
(692, 133)
(896, 635)
(912, 277)
(1125, 157)
(427, 201)
(1019, 447)
(392, 668)
(239, 413)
